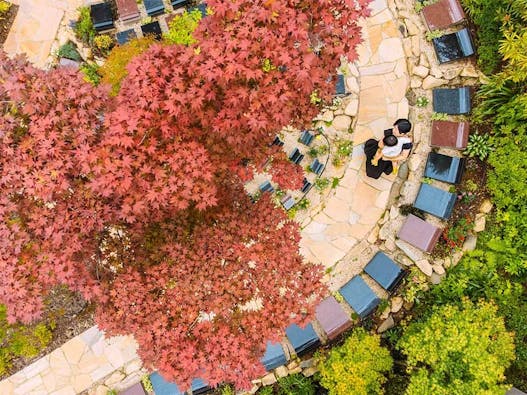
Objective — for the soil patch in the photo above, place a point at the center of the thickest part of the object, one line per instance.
(70, 315)
(6, 21)
(471, 193)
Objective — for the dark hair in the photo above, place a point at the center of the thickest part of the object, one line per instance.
(390, 140)
(403, 125)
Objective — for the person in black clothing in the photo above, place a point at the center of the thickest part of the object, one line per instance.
(401, 127)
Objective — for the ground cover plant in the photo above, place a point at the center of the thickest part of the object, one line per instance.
(355, 367)
(20, 340)
(113, 71)
(458, 350)
(137, 201)
(496, 272)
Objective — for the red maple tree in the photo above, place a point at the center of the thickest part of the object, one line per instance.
(137, 201)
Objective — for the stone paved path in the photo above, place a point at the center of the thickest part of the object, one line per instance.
(358, 202)
(336, 234)
(35, 28)
(76, 365)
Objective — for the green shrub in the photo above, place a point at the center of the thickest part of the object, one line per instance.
(20, 340)
(113, 71)
(4, 8)
(266, 391)
(180, 29)
(91, 73)
(322, 183)
(458, 350)
(69, 51)
(103, 43)
(478, 146)
(296, 384)
(357, 367)
(84, 29)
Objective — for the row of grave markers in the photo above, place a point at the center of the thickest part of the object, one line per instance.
(102, 16)
(332, 317)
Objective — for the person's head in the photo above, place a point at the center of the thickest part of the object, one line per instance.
(402, 126)
(389, 141)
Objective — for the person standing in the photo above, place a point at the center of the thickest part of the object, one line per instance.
(376, 163)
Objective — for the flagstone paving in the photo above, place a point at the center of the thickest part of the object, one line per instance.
(343, 228)
(358, 202)
(35, 28)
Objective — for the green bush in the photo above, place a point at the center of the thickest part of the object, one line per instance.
(266, 391)
(69, 51)
(84, 29)
(181, 28)
(91, 73)
(113, 71)
(355, 368)
(20, 340)
(458, 350)
(478, 146)
(4, 8)
(296, 384)
(103, 43)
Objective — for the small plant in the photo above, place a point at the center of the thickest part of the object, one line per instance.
(111, 392)
(426, 180)
(69, 51)
(91, 72)
(455, 235)
(84, 29)
(181, 28)
(314, 98)
(279, 193)
(268, 66)
(439, 116)
(466, 197)
(296, 384)
(471, 186)
(335, 181)
(421, 101)
(268, 390)
(383, 305)
(4, 8)
(322, 183)
(393, 335)
(146, 20)
(416, 283)
(419, 5)
(434, 34)
(291, 213)
(344, 147)
(103, 43)
(478, 146)
(318, 151)
(147, 384)
(313, 152)
(227, 389)
(303, 204)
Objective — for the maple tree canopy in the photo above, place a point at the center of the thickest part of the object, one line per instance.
(137, 201)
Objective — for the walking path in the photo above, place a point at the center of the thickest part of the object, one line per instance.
(35, 28)
(359, 201)
(344, 230)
